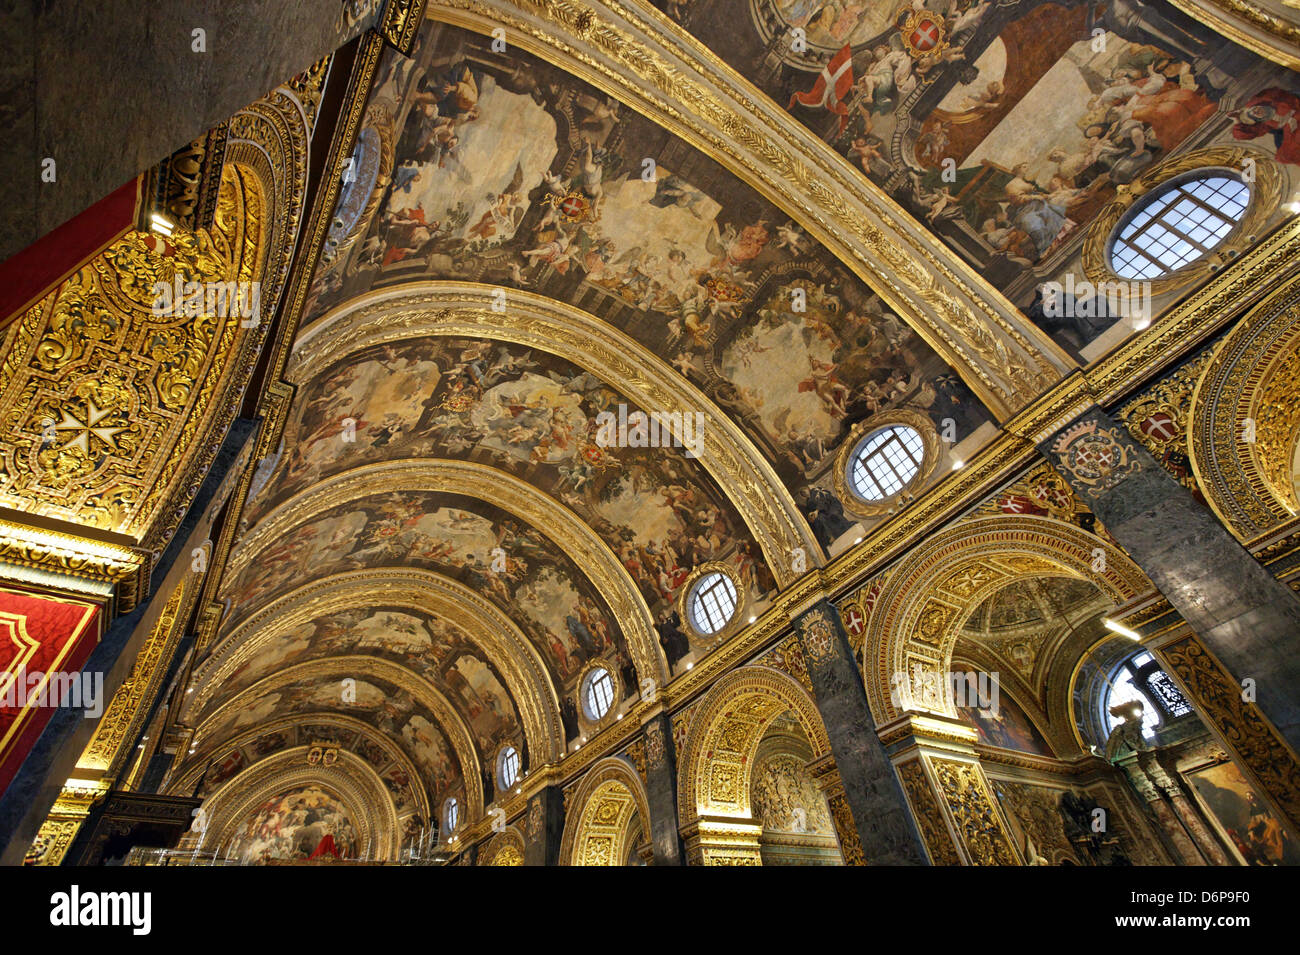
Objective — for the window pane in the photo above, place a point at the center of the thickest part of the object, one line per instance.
(1177, 226)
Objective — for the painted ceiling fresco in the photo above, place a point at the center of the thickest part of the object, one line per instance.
(538, 586)
(507, 171)
(305, 823)
(391, 710)
(490, 166)
(1041, 111)
(535, 416)
(228, 765)
(428, 646)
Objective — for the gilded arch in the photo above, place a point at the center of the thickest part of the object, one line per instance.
(642, 58)
(579, 542)
(1244, 418)
(724, 735)
(360, 789)
(505, 848)
(458, 735)
(465, 309)
(926, 598)
(597, 823)
(524, 672)
(187, 780)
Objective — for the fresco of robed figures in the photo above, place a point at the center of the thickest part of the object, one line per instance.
(304, 823)
(513, 565)
(1006, 726)
(384, 706)
(426, 645)
(1006, 127)
(510, 172)
(536, 416)
(1247, 821)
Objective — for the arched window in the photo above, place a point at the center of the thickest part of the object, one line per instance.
(712, 602)
(508, 767)
(1177, 224)
(597, 693)
(885, 461)
(450, 815)
(1140, 678)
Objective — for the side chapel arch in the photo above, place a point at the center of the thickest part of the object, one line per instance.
(925, 600)
(717, 760)
(600, 816)
(1244, 419)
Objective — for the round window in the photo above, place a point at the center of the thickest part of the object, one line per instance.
(508, 767)
(597, 693)
(712, 602)
(1177, 223)
(885, 461)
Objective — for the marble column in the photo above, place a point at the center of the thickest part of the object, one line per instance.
(1243, 615)
(886, 833)
(661, 790)
(544, 827)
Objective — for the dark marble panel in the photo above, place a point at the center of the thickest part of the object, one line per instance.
(1243, 615)
(885, 827)
(110, 88)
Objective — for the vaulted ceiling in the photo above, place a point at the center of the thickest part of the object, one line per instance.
(536, 230)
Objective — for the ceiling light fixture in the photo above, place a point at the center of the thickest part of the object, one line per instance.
(1119, 628)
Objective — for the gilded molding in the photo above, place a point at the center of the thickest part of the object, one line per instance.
(975, 813)
(125, 570)
(464, 309)
(579, 542)
(927, 813)
(122, 722)
(1251, 25)
(1239, 724)
(401, 20)
(642, 58)
(1245, 417)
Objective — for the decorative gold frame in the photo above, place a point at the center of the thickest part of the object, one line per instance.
(683, 600)
(1265, 198)
(930, 456)
(588, 725)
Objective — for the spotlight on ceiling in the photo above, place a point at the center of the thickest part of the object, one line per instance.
(1119, 628)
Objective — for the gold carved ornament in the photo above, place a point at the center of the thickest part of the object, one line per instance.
(975, 812)
(104, 399)
(1245, 732)
(645, 60)
(464, 309)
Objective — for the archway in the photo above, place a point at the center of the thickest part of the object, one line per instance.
(926, 598)
(717, 764)
(608, 813)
